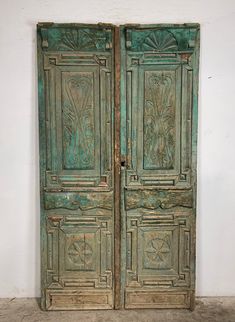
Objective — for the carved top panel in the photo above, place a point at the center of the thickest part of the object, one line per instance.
(161, 39)
(72, 38)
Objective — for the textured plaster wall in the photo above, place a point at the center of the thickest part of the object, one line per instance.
(19, 196)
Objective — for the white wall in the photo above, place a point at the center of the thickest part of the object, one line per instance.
(19, 202)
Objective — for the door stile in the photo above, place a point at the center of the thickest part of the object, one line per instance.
(117, 168)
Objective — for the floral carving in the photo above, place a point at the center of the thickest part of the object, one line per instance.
(159, 120)
(80, 252)
(79, 123)
(158, 248)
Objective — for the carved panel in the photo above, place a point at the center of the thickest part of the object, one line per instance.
(161, 39)
(154, 199)
(78, 300)
(82, 200)
(79, 252)
(78, 100)
(157, 250)
(76, 39)
(78, 120)
(159, 120)
(160, 250)
(158, 139)
(153, 299)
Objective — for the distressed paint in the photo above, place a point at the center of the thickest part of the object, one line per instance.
(158, 142)
(76, 77)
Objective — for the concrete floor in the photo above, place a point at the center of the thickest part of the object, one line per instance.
(215, 309)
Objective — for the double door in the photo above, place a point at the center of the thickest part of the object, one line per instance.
(118, 124)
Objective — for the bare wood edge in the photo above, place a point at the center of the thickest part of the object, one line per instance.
(196, 66)
(117, 167)
(41, 111)
(192, 301)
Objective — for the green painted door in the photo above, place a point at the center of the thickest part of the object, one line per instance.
(158, 145)
(76, 147)
(118, 165)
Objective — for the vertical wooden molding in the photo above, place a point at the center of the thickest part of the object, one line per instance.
(117, 166)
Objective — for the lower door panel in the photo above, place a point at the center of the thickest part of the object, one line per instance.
(159, 257)
(157, 299)
(79, 300)
(79, 255)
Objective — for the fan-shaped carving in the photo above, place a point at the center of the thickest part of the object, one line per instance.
(160, 40)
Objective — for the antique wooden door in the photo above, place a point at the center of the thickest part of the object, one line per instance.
(158, 145)
(118, 122)
(76, 135)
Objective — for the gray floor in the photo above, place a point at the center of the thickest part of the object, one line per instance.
(221, 309)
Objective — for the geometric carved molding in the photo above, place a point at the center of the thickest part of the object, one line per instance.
(74, 256)
(158, 252)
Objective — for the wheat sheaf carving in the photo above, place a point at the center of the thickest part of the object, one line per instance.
(79, 122)
(159, 132)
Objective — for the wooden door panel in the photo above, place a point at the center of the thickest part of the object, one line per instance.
(79, 99)
(160, 299)
(76, 148)
(158, 143)
(79, 258)
(158, 249)
(163, 84)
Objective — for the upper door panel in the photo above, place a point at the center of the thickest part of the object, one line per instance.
(159, 98)
(77, 64)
